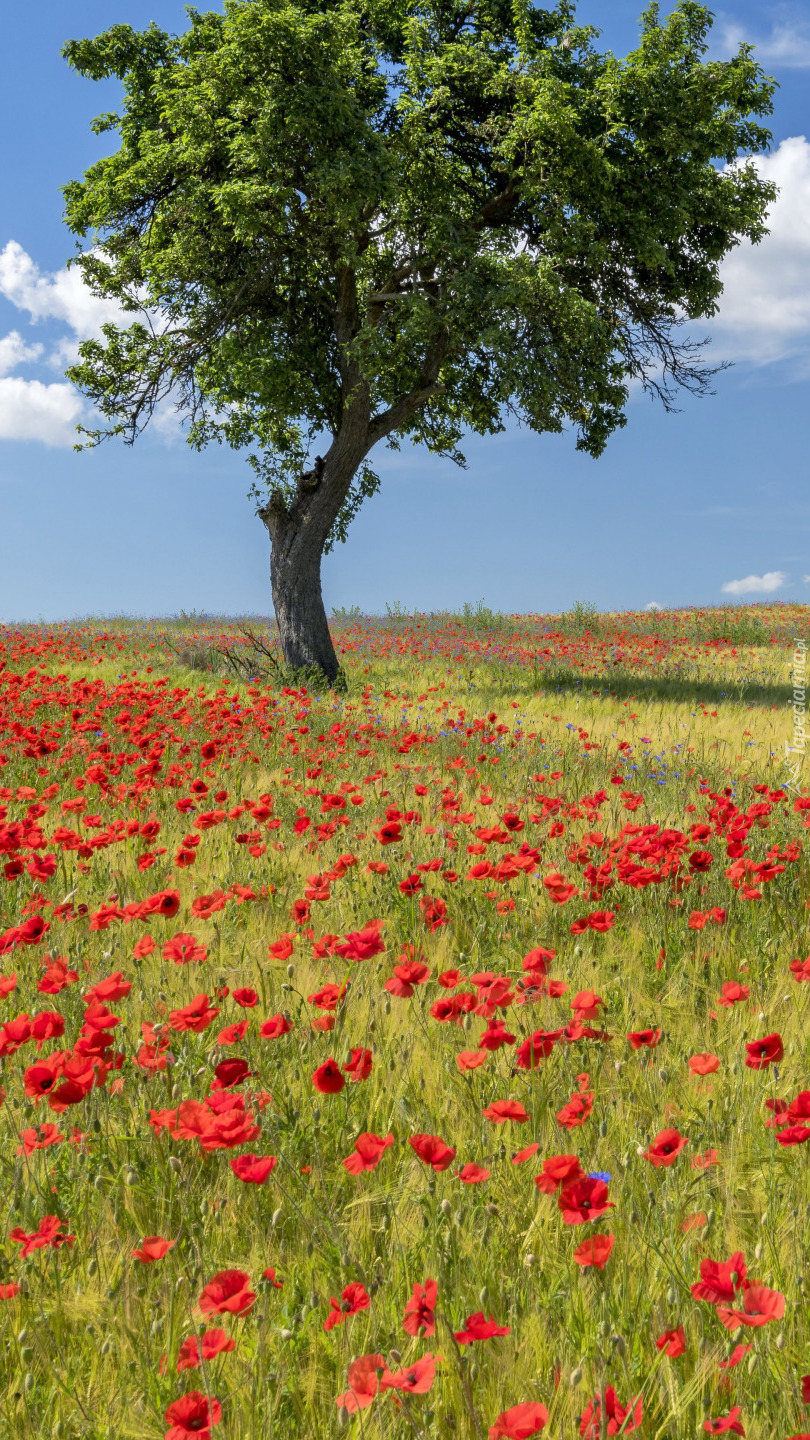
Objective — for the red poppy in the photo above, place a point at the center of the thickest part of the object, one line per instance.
(760, 1306)
(584, 1200)
(644, 1038)
(538, 1046)
(420, 1317)
(327, 1078)
(245, 997)
(184, 950)
(526, 1154)
(761, 1053)
(704, 1064)
(214, 1342)
(270, 1275)
(48, 1236)
(620, 1419)
(364, 1383)
(253, 1169)
(470, 1059)
(575, 1111)
(733, 993)
(433, 1151)
(39, 1137)
(362, 944)
(368, 1152)
(594, 1252)
(666, 1147)
(231, 1072)
(738, 1353)
(9, 1290)
(192, 1415)
(472, 1174)
(194, 1017)
(720, 1279)
(359, 1064)
(520, 1423)
(227, 1293)
(672, 1342)
(275, 1027)
(154, 1247)
(353, 1299)
(407, 974)
(415, 1380)
(477, 1327)
(502, 1110)
(730, 1423)
(495, 1036)
(557, 1171)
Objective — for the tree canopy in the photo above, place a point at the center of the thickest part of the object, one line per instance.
(367, 220)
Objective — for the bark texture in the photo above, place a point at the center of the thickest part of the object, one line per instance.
(299, 526)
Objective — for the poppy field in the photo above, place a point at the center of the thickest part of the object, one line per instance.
(426, 1058)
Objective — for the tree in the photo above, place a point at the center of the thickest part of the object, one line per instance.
(342, 222)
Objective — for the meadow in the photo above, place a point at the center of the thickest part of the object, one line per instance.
(427, 1057)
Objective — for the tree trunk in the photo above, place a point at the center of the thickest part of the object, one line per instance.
(295, 576)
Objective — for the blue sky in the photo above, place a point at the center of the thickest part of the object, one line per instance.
(678, 507)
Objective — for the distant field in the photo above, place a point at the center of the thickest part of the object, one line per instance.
(423, 1058)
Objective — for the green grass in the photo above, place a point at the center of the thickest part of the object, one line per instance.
(90, 1343)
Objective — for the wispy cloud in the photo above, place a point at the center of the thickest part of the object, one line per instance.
(756, 584)
(786, 44)
(30, 410)
(61, 295)
(764, 311)
(15, 352)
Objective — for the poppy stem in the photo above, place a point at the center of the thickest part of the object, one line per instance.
(466, 1388)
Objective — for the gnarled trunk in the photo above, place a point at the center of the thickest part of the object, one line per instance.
(295, 577)
(298, 528)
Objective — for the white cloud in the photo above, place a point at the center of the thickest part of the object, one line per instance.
(806, 579)
(59, 296)
(756, 584)
(765, 307)
(653, 606)
(30, 410)
(14, 352)
(787, 44)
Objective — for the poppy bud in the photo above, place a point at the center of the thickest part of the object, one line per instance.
(286, 1334)
(483, 1294)
(291, 971)
(758, 1248)
(174, 1164)
(603, 1329)
(446, 1207)
(617, 1066)
(619, 1344)
(752, 1362)
(491, 1209)
(663, 1075)
(763, 1217)
(395, 1357)
(92, 1267)
(28, 1382)
(603, 1129)
(27, 1353)
(710, 1218)
(672, 1295)
(131, 1177)
(276, 1216)
(105, 1347)
(22, 1336)
(780, 1340)
(528, 1261)
(576, 1378)
(343, 1416)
